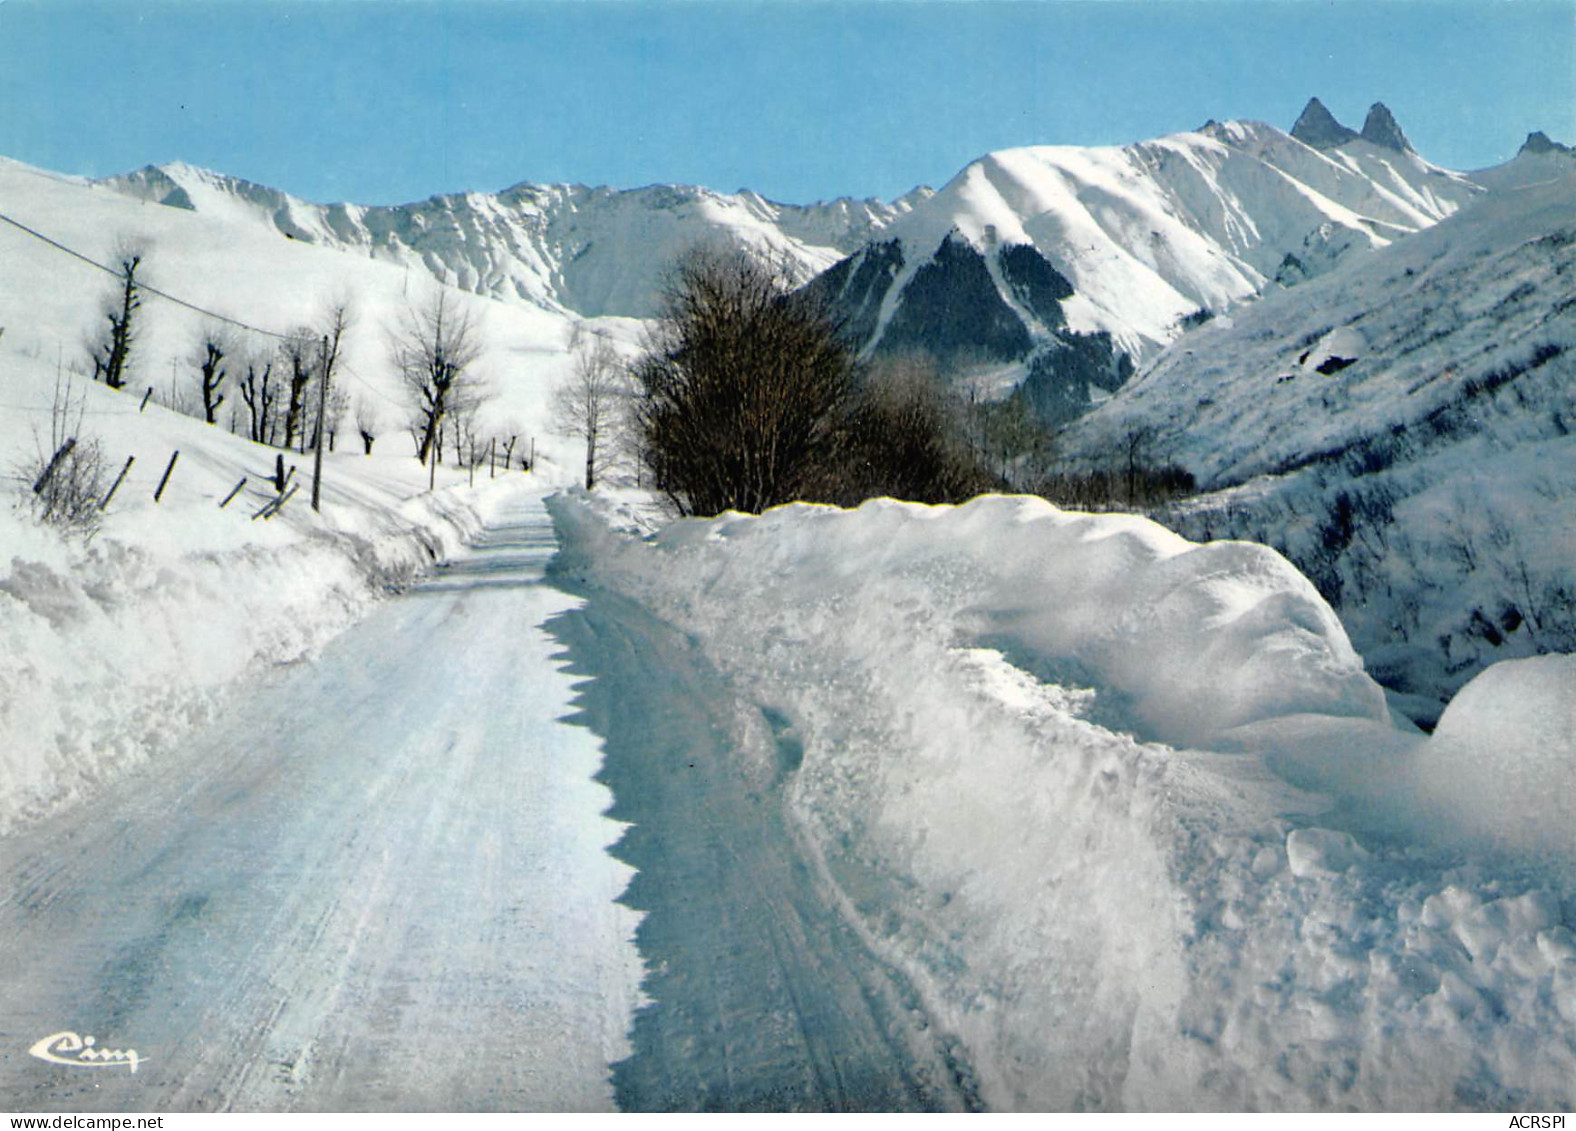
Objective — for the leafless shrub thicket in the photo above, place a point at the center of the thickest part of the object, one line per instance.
(63, 484)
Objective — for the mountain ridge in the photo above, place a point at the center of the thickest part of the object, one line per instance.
(539, 243)
(1402, 428)
(1143, 238)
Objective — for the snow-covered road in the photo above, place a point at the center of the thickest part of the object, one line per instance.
(381, 883)
(389, 880)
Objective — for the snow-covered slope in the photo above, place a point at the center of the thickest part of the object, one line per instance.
(109, 653)
(1148, 233)
(221, 262)
(1538, 161)
(1401, 428)
(1059, 265)
(112, 651)
(593, 251)
(967, 709)
(1142, 235)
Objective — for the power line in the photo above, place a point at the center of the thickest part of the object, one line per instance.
(142, 286)
(368, 385)
(86, 412)
(56, 244)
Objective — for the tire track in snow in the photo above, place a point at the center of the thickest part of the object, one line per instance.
(763, 998)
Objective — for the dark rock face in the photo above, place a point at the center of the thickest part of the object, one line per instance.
(1035, 284)
(178, 197)
(153, 184)
(854, 288)
(961, 313)
(1540, 142)
(1060, 378)
(951, 308)
(1380, 128)
(1318, 128)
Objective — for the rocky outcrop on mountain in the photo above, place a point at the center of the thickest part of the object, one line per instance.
(1317, 127)
(972, 309)
(952, 306)
(1380, 128)
(1539, 142)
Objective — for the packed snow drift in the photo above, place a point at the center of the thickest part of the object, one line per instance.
(1129, 811)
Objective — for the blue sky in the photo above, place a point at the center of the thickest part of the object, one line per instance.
(383, 101)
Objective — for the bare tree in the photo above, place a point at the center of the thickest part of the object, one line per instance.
(296, 356)
(740, 387)
(338, 410)
(587, 404)
(112, 352)
(64, 485)
(213, 348)
(508, 437)
(904, 436)
(261, 394)
(335, 324)
(434, 349)
(367, 422)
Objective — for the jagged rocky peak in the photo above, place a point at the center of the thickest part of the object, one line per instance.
(1317, 127)
(1380, 128)
(1540, 142)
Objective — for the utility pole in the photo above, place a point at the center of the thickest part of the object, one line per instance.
(330, 355)
(432, 454)
(322, 411)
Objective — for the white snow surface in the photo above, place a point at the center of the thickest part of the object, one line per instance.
(1449, 437)
(1147, 233)
(113, 651)
(378, 881)
(566, 248)
(109, 652)
(1150, 232)
(50, 303)
(1504, 749)
(1017, 768)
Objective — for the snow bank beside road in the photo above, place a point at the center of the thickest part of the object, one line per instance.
(1503, 758)
(1197, 639)
(950, 696)
(111, 651)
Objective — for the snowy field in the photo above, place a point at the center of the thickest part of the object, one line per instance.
(377, 881)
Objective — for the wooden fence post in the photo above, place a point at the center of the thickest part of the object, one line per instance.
(175, 455)
(119, 479)
(54, 464)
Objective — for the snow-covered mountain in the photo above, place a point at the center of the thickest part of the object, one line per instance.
(1401, 428)
(592, 251)
(1028, 253)
(1539, 160)
(1141, 235)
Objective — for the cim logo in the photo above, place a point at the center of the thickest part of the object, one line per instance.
(82, 1052)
